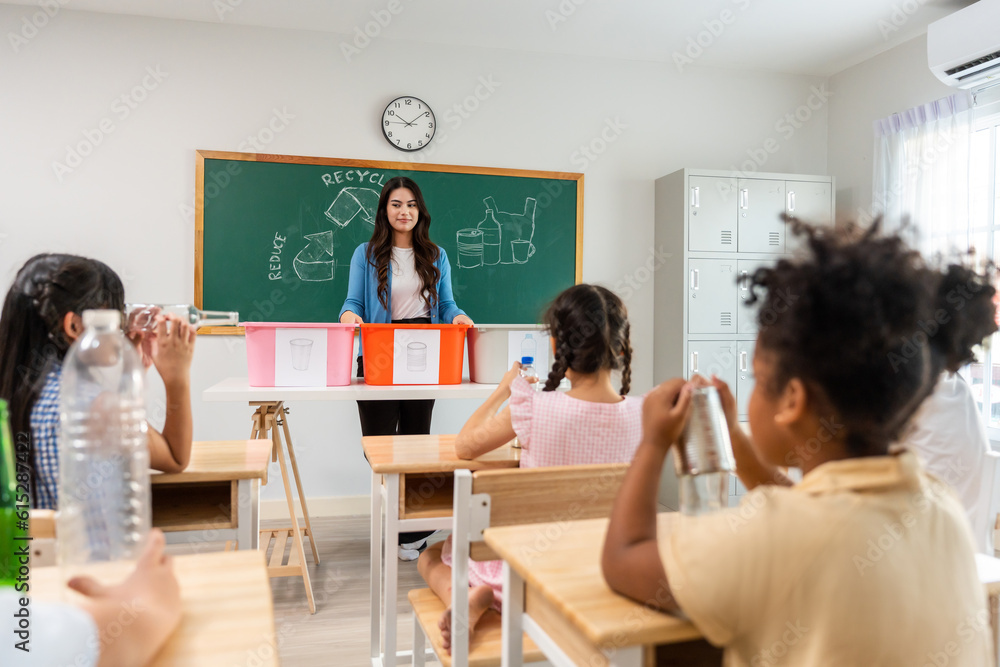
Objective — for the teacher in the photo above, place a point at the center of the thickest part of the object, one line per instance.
(400, 276)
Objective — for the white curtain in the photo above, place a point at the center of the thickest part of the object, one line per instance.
(921, 165)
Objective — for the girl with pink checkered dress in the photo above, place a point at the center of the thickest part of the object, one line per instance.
(593, 422)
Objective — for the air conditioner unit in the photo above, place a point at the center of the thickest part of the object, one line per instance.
(963, 49)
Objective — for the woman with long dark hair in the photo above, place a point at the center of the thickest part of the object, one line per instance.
(400, 276)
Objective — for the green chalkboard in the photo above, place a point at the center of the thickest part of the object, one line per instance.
(275, 234)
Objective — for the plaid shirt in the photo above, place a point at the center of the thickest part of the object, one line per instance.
(45, 442)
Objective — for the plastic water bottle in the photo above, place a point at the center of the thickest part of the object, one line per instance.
(142, 316)
(104, 502)
(528, 371)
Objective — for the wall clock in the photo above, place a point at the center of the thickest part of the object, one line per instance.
(408, 123)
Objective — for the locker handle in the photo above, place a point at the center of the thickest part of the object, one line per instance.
(791, 201)
(744, 280)
(744, 198)
(696, 197)
(694, 278)
(743, 361)
(694, 362)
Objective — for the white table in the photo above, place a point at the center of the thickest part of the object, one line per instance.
(239, 389)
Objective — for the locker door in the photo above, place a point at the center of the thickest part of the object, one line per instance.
(712, 213)
(811, 202)
(746, 316)
(744, 385)
(712, 299)
(712, 357)
(761, 203)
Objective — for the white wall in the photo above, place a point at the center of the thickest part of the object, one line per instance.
(888, 83)
(129, 201)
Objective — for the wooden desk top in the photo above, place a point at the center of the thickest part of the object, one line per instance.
(221, 461)
(390, 454)
(226, 601)
(567, 572)
(239, 389)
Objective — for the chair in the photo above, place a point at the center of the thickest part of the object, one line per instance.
(493, 498)
(989, 501)
(42, 530)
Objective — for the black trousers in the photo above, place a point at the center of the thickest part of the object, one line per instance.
(397, 418)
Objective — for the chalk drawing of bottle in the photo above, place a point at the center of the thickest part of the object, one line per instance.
(416, 357)
(301, 351)
(470, 248)
(491, 238)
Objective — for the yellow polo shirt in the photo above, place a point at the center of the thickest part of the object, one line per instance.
(867, 561)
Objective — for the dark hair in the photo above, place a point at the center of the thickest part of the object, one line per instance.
(590, 326)
(32, 339)
(868, 326)
(425, 252)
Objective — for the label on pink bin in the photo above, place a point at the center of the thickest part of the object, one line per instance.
(300, 357)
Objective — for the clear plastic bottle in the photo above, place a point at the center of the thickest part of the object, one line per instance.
(528, 371)
(104, 501)
(142, 316)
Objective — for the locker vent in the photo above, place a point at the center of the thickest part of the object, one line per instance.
(774, 238)
(727, 238)
(727, 319)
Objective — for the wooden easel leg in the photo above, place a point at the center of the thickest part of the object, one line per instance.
(298, 481)
(276, 441)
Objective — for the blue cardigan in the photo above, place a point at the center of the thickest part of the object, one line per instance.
(362, 291)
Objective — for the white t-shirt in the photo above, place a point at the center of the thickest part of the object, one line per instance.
(60, 634)
(948, 434)
(406, 284)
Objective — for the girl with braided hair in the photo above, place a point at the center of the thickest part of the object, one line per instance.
(41, 317)
(594, 422)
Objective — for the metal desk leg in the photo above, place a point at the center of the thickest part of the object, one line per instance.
(391, 562)
(248, 513)
(511, 620)
(376, 568)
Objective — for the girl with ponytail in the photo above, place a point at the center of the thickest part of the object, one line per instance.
(594, 422)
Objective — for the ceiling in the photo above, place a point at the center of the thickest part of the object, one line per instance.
(788, 36)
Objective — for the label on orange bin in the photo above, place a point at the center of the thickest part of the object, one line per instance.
(416, 356)
(300, 357)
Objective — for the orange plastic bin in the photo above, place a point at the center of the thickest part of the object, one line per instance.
(378, 344)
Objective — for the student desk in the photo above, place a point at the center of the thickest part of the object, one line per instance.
(413, 479)
(555, 591)
(270, 420)
(227, 615)
(217, 497)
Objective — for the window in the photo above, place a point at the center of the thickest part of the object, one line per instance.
(984, 235)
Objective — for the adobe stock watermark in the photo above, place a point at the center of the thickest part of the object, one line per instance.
(705, 39)
(275, 125)
(457, 114)
(634, 281)
(122, 108)
(587, 153)
(786, 126)
(363, 36)
(562, 12)
(773, 654)
(223, 7)
(32, 25)
(901, 13)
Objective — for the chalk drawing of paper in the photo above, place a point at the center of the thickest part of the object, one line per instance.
(315, 262)
(300, 357)
(530, 343)
(351, 203)
(416, 356)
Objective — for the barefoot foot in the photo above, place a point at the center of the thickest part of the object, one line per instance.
(480, 599)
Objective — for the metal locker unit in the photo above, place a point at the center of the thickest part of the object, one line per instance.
(761, 203)
(712, 204)
(712, 303)
(720, 224)
(745, 378)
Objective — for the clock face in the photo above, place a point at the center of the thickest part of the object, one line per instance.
(408, 123)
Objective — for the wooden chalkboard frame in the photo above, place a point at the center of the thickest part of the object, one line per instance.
(199, 201)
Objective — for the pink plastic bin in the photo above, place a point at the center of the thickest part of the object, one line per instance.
(260, 350)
